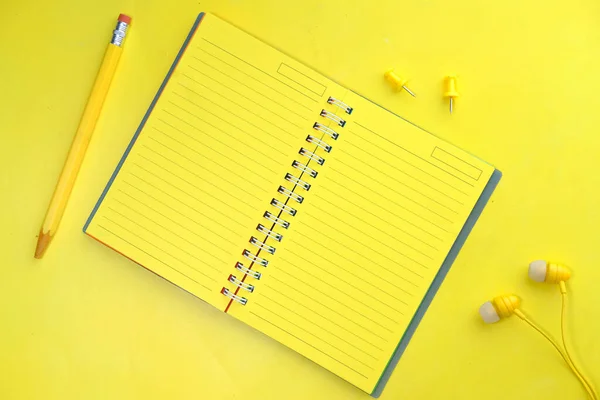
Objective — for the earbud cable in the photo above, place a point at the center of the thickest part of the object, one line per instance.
(557, 348)
(563, 292)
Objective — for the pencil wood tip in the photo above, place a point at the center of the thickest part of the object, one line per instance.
(42, 244)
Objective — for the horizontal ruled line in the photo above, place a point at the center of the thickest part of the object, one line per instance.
(264, 142)
(254, 91)
(366, 234)
(334, 298)
(315, 336)
(164, 239)
(154, 257)
(364, 255)
(295, 288)
(218, 152)
(345, 187)
(308, 344)
(376, 287)
(159, 248)
(262, 129)
(255, 79)
(415, 155)
(388, 224)
(165, 169)
(264, 72)
(175, 210)
(179, 201)
(370, 177)
(327, 320)
(368, 248)
(373, 156)
(303, 305)
(253, 173)
(173, 233)
(330, 286)
(195, 198)
(212, 79)
(265, 156)
(279, 128)
(260, 70)
(218, 176)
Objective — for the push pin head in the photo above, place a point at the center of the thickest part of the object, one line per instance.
(451, 93)
(397, 81)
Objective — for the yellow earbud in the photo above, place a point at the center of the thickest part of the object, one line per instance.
(504, 306)
(543, 271)
(500, 307)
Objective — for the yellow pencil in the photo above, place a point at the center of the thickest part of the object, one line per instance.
(82, 137)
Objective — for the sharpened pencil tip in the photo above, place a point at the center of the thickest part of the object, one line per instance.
(42, 244)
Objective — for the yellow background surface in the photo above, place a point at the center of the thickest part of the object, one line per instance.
(85, 323)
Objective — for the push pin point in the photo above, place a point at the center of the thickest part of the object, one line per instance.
(451, 93)
(397, 81)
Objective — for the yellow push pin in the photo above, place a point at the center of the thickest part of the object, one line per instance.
(397, 81)
(451, 93)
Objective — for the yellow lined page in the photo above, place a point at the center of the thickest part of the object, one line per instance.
(366, 242)
(208, 159)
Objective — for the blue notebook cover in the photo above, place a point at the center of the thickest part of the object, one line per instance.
(437, 281)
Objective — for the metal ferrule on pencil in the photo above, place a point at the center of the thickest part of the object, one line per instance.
(119, 33)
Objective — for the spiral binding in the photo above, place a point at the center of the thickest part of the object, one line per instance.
(254, 258)
(305, 169)
(312, 156)
(340, 104)
(262, 245)
(328, 114)
(240, 267)
(226, 292)
(297, 181)
(263, 229)
(276, 220)
(325, 129)
(322, 144)
(283, 207)
(246, 286)
(288, 193)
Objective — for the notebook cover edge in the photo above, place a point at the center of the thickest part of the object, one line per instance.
(437, 281)
(145, 118)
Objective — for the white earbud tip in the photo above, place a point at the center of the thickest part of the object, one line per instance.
(488, 313)
(537, 270)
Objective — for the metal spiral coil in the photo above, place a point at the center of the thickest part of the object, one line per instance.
(328, 114)
(262, 245)
(322, 144)
(305, 169)
(326, 130)
(247, 271)
(288, 193)
(276, 220)
(283, 207)
(307, 153)
(242, 285)
(226, 292)
(254, 258)
(340, 104)
(263, 229)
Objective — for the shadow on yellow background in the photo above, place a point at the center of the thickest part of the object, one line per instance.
(85, 323)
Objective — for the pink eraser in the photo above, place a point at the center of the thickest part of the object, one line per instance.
(125, 18)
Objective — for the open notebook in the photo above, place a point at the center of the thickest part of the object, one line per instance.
(291, 203)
